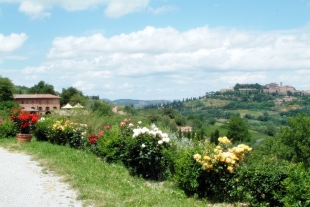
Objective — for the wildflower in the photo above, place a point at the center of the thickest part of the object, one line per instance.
(93, 139)
(107, 127)
(197, 156)
(139, 122)
(224, 140)
(166, 139)
(101, 133)
(122, 124)
(160, 141)
(143, 145)
(230, 169)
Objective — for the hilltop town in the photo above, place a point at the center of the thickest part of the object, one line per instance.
(269, 88)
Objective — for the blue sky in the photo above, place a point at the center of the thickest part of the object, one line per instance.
(155, 49)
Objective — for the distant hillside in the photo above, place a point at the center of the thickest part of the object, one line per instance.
(137, 103)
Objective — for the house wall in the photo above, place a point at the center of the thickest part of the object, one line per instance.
(43, 104)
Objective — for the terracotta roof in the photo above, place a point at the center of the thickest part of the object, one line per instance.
(16, 96)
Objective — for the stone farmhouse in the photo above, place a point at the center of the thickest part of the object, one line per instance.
(42, 103)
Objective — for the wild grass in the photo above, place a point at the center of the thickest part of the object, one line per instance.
(100, 183)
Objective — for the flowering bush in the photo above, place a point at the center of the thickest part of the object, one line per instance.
(209, 171)
(149, 153)
(220, 163)
(223, 157)
(24, 121)
(111, 144)
(65, 132)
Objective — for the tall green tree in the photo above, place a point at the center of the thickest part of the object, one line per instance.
(238, 129)
(6, 89)
(296, 140)
(68, 93)
(42, 88)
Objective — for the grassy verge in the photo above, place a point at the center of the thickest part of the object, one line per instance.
(99, 183)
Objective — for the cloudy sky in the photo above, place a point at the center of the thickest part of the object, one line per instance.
(154, 49)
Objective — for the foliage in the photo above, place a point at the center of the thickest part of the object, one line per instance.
(42, 88)
(6, 107)
(6, 89)
(296, 139)
(68, 93)
(64, 132)
(260, 178)
(101, 107)
(43, 128)
(238, 129)
(148, 153)
(111, 144)
(221, 162)
(297, 187)
(214, 137)
(189, 175)
(211, 121)
(7, 128)
(130, 110)
(24, 121)
(77, 98)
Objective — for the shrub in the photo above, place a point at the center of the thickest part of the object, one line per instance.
(261, 179)
(297, 187)
(65, 132)
(214, 175)
(221, 162)
(149, 153)
(43, 128)
(7, 129)
(111, 144)
(189, 175)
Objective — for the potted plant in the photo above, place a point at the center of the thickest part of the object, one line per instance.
(24, 123)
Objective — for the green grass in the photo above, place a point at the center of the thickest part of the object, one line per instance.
(100, 183)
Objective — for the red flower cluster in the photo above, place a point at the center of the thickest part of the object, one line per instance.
(93, 139)
(24, 120)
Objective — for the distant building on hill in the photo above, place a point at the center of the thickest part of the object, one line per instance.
(186, 128)
(42, 103)
(226, 89)
(276, 88)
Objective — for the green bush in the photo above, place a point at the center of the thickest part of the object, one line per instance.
(111, 144)
(62, 132)
(207, 170)
(7, 128)
(297, 187)
(149, 153)
(189, 175)
(261, 177)
(43, 128)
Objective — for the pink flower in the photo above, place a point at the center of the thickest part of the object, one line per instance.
(101, 133)
(125, 120)
(122, 124)
(107, 127)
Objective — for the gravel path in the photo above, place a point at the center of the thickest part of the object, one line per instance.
(24, 184)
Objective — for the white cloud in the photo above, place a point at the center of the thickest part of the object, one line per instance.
(166, 49)
(12, 42)
(114, 8)
(163, 9)
(35, 11)
(118, 8)
(166, 63)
